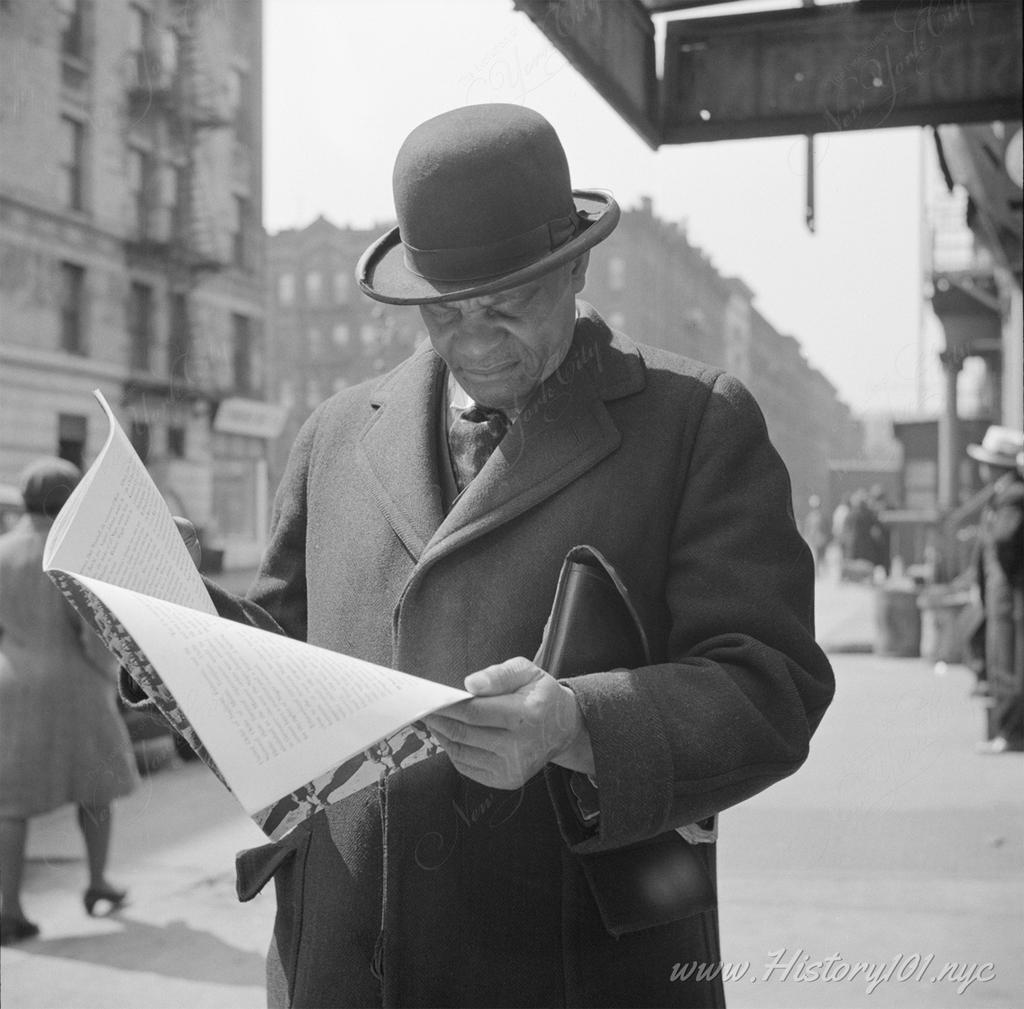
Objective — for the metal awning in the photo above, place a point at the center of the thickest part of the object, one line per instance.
(799, 70)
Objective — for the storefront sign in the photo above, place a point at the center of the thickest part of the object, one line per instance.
(250, 417)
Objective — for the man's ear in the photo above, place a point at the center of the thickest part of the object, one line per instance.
(579, 272)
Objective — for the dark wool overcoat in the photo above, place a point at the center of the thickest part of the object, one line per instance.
(431, 890)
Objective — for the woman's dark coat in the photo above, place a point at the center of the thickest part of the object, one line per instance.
(436, 891)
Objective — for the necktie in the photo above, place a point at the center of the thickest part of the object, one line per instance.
(471, 440)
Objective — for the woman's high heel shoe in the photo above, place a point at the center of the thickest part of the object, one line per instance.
(107, 894)
(13, 930)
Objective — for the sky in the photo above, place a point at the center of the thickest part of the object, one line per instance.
(345, 81)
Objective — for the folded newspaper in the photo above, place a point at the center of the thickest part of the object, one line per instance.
(287, 726)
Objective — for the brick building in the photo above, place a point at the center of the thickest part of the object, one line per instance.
(131, 255)
(325, 334)
(648, 280)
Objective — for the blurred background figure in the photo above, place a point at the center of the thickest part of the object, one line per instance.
(815, 533)
(999, 570)
(839, 517)
(878, 503)
(61, 736)
(859, 546)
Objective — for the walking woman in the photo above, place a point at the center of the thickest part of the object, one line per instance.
(61, 736)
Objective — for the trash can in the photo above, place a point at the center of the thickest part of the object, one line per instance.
(942, 627)
(897, 621)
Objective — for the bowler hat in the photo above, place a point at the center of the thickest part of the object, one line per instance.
(47, 483)
(999, 447)
(484, 203)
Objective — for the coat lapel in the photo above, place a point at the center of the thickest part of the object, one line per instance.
(564, 430)
(397, 449)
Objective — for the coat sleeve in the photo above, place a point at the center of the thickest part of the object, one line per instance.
(733, 709)
(277, 600)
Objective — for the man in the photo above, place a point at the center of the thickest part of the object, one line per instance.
(404, 536)
(999, 575)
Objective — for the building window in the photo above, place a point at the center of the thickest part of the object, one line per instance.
(71, 432)
(140, 325)
(71, 16)
(341, 287)
(179, 342)
(139, 437)
(169, 46)
(72, 308)
(73, 161)
(176, 441)
(239, 239)
(140, 170)
(138, 43)
(238, 103)
(177, 199)
(616, 274)
(313, 287)
(340, 334)
(245, 355)
(286, 288)
(367, 334)
(172, 206)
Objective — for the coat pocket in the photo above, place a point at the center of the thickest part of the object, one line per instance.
(283, 861)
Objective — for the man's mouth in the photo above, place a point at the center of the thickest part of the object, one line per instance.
(490, 370)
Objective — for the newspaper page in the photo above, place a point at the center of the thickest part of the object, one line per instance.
(287, 726)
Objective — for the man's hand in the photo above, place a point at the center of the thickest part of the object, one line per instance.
(519, 720)
(191, 537)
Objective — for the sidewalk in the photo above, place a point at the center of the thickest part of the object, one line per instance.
(184, 940)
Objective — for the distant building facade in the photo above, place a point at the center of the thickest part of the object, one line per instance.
(649, 281)
(131, 249)
(324, 333)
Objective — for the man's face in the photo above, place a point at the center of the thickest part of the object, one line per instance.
(500, 347)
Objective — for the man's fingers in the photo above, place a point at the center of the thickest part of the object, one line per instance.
(504, 678)
(190, 537)
(501, 712)
(470, 734)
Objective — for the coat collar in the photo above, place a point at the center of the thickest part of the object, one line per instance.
(563, 431)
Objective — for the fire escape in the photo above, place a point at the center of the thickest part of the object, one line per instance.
(174, 105)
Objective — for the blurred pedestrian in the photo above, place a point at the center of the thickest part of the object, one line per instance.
(62, 738)
(858, 529)
(1000, 579)
(878, 503)
(814, 531)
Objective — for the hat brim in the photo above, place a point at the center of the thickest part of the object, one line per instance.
(383, 275)
(981, 454)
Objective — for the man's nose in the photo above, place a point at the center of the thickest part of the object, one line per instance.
(480, 335)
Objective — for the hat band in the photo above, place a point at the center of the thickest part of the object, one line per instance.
(481, 262)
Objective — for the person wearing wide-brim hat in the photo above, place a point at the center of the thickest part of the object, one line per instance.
(999, 572)
(422, 524)
(62, 739)
(999, 447)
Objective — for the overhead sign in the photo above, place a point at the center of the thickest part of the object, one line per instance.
(249, 417)
(853, 66)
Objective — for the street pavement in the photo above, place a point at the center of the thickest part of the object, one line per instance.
(896, 848)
